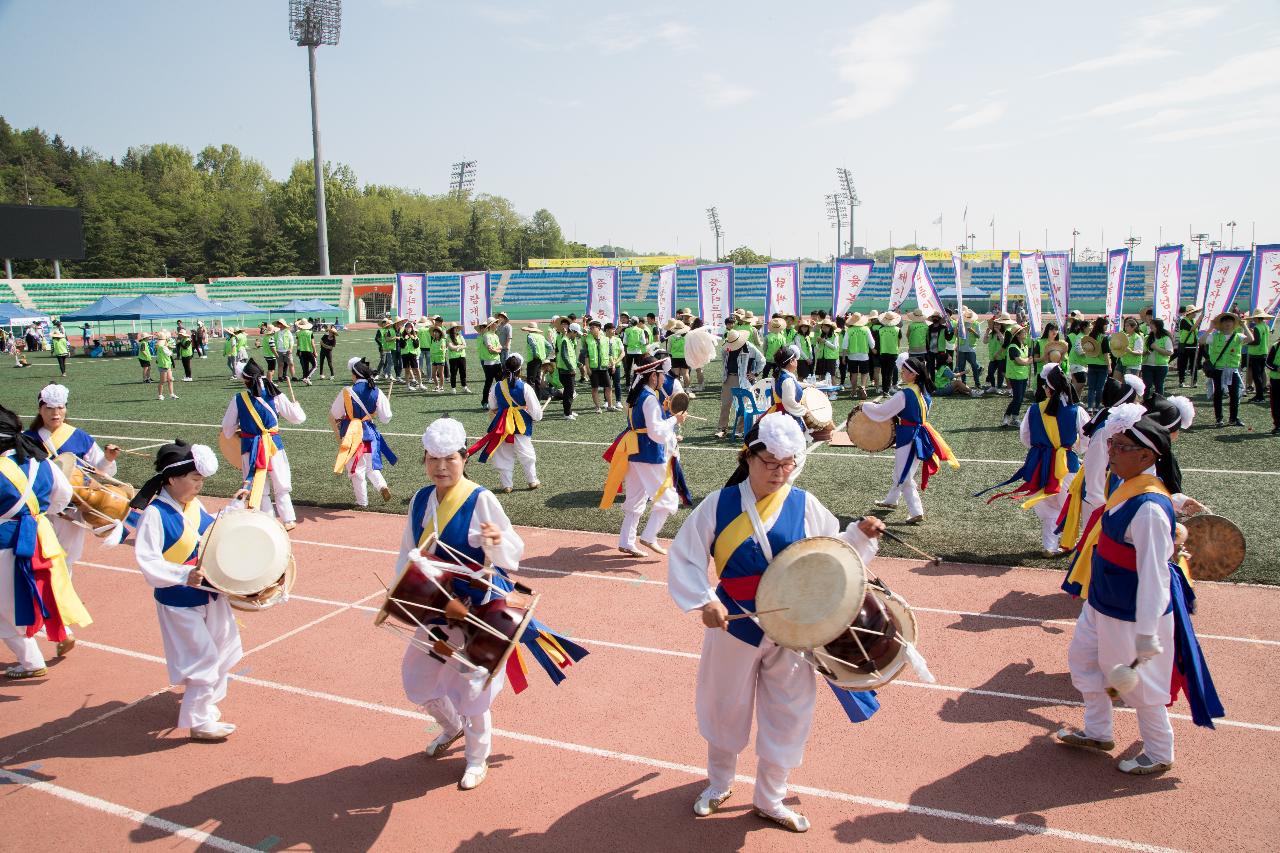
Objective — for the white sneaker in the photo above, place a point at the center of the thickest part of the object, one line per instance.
(572, 416)
(599, 410)
(212, 731)
(1141, 765)
(442, 742)
(786, 818)
(160, 398)
(466, 390)
(473, 777)
(306, 381)
(186, 379)
(455, 391)
(709, 801)
(173, 396)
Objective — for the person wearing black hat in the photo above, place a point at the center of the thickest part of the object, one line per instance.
(787, 391)
(201, 640)
(254, 416)
(918, 444)
(35, 584)
(515, 409)
(1134, 633)
(361, 447)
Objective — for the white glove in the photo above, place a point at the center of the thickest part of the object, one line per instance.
(1148, 646)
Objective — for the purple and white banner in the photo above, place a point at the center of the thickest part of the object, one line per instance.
(715, 296)
(782, 289)
(411, 295)
(474, 298)
(1202, 280)
(1266, 278)
(1226, 270)
(602, 294)
(955, 265)
(1004, 282)
(666, 294)
(1029, 263)
(1117, 266)
(851, 277)
(1167, 291)
(926, 294)
(1057, 269)
(904, 278)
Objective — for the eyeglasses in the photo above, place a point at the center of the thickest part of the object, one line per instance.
(1112, 444)
(786, 465)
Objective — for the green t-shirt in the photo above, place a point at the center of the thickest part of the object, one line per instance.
(305, 341)
(917, 336)
(858, 341)
(164, 355)
(889, 338)
(144, 352)
(435, 346)
(1186, 333)
(488, 347)
(242, 340)
(1273, 363)
(424, 339)
(805, 344)
(229, 346)
(597, 352)
(615, 349)
(567, 352)
(675, 346)
(995, 346)
(1158, 359)
(1224, 351)
(1132, 360)
(1012, 369)
(1262, 339)
(1101, 358)
(942, 376)
(829, 347)
(59, 346)
(186, 347)
(409, 344)
(773, 342)
(538, 346)
(455, 349)
(634, 338)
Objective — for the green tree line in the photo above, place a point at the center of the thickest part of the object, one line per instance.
(161, 210)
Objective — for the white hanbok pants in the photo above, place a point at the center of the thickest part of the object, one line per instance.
(907, 488)
(1047, 511)
(276, 496)
(642, 483)
(504, 459)
(14, 635)
(360, 471)
(735, 680)
(70, 536)
(201, 645)
(452, 694)
(1101, 642)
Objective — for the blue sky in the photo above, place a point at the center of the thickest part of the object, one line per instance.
(628, 120)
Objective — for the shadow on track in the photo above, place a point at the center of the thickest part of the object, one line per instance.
(1025, 605)
(1020, 678)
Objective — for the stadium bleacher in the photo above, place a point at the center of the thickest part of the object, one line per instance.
(57, 296)
(274, 292)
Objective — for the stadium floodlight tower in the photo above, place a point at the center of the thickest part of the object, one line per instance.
(462, 178)
(311, 24)
(846, 182)
(713, 217)
(835, 215)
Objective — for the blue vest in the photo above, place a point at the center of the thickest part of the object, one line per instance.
(516, 390)
(747, 564)
(79, 443)
(904, 435)
(1113, 579)
(174, 524)
(650, 451)
(41, 488)
(455, 536)
(367, 393)
(266, 410)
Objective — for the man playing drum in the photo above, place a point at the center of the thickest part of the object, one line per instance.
(739, 529)
(918, 444)
(469, 528)
(1136, 621)
(254, 415)
(201, 640)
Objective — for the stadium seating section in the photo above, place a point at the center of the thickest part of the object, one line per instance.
(274, 292)
(59, 296)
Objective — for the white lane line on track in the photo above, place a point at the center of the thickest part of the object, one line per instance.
(693, 770)
(97, 804)
(1030, 620)
(85, 725)
(341, 608)
(848, 457)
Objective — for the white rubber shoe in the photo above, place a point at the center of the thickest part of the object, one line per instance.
(709, 801)
(473, 777)
(442, 742)
(786, 818)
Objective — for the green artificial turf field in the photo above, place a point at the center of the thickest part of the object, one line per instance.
(1234, 471)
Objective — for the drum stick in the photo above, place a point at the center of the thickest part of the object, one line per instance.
(756, 613)
(288, 380)
(937, 561)
(696, 417)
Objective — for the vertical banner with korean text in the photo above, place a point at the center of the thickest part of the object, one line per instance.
(1057, 269)
(411, 295)
(782, 289)
(956, 265)
(1167, 291)
(926, 293)
(1029, 264)
(1004, 282)
(666, 294)
(715, 296)
(851, 276)
(1266, 279)
(602, 294)
(1226, 270)
(474, 299)
(1117, 267)
(1202, 280)
(904, 278)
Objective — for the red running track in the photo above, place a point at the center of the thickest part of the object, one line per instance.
(328, 753)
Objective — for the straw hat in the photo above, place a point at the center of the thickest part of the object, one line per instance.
(502, 314)
(1006, 319)
(384, 322)
(735, 340)
(915, 316)
(303, 324)
(57, 333)
(679, 331)
(890, 318)
(184, 333)
(1259, 315)
(828, 322)
(1060, 347)
(969, 315)
(164, 334)
(873, 314)
(777, 324)
(672, 325)
(1226, 315)
(1076, 314)
(857, 318)
(532, 328)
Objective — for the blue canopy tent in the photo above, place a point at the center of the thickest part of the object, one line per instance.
(975, 298)
(98, 309)
(314, 307)
(16, 315)
(239, 306)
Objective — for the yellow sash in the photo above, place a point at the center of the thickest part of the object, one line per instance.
(939, 443)
(1060, 466)
(740, 530)
(181, 551)
(353, 437)
(1081, 570)
(269, 450)
(513, 417)
(1075, 503)
(446, 508)
(71, 609)
(59, 437)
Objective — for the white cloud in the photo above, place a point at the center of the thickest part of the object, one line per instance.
(1146, 43)
(1120, 59)
(507, 17)
(880, 59)
(1240, 74)
(720, 93)
(622, 33)
(1162, 117)
(1206, 129)
(676, 34)
(979, 117)
(957, 108)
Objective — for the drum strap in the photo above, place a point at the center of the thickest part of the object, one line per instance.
(59, 437)
(184, 550)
